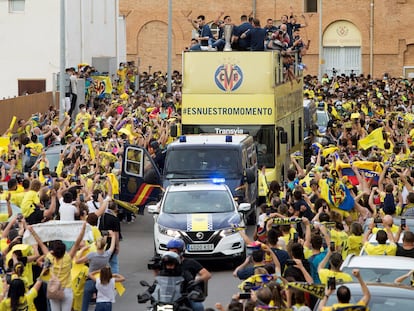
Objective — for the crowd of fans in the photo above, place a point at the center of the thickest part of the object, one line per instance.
(357, 180)
(359, 170)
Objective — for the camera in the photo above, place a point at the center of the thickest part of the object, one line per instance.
(154, 263)
(280, 32)
(332, 246)
(377, 220)
(46, 264)
(331, 283)
(19, 217)
(244, 296)
(290, 262)
(403, 223)
(295, 237)
(248, 286)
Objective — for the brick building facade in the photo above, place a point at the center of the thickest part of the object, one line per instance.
(346, 26)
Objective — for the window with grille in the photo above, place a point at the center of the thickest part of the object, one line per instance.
(311, 6)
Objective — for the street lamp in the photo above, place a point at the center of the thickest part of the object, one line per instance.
(62, 61)
(320, 41)
(169, 50)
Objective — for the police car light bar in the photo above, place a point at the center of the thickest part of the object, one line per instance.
(218, 180)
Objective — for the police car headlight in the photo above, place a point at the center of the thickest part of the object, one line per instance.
(167, 231)
(227, 232)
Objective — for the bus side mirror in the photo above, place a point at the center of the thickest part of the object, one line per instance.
(173, 130)
(283, 137)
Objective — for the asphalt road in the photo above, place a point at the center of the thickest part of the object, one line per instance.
(137, 249)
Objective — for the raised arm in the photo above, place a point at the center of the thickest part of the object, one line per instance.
(325, 260)
(365, 291)
(75, 246)
(103, 205)
(308, 234)
(39, 242)
(275, 260)
(401, 278)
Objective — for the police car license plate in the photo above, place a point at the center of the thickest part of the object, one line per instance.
(200, 247)
(165, 308)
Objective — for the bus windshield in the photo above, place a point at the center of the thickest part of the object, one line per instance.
(264, 136)
(201, 163)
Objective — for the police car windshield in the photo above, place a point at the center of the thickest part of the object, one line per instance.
(203, 201)
(322, 118)
(198, 162)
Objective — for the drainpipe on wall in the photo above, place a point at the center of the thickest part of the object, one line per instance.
(116, 31)
(254, 8)
(320, 73)
(371, 37)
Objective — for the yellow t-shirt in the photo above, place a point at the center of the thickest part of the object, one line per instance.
(25, 303)
(79, 274)
(352, 245)
(30, 199)
(85, 118)
(394, 229)
(288, 237)
(16, 197)
(35, 149)
(62, 269)
(96, 233)
(340, 277)
(380, 249)
(339, 237)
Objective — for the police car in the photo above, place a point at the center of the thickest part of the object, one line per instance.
(204, 215)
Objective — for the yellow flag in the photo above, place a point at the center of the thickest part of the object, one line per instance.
(329, 150)
(91, 150)
(12, 123)
(4, 144)
(373, 139)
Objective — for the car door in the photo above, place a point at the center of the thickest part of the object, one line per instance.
(140, 178)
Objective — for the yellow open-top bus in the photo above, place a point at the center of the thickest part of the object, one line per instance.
(234, 93)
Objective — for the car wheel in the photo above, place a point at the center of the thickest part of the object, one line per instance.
(239, 260)
(251, 218)
(155, 249)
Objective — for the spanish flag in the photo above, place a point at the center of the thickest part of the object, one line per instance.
(143, 193)
(373, 139)
(369, 170)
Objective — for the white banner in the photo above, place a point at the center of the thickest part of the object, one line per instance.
(58, 230)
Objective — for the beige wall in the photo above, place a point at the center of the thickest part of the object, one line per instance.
(23, 107)
(392, 44)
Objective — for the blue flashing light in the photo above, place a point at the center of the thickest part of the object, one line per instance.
(229, 139)
(218, 180)
(183, 139)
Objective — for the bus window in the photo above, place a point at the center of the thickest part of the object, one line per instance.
(300, 130)
(278, 143)
(265, 138)
(133, 163)
(292, 133)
